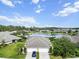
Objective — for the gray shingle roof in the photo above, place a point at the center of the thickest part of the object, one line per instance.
(6, 36)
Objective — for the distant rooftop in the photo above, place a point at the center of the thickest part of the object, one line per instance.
(75, 39)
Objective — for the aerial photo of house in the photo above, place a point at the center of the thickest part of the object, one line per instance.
(39, 29)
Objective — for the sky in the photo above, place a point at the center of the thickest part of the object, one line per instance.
(40, 13)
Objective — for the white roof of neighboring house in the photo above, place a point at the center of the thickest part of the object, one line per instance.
(6, 36)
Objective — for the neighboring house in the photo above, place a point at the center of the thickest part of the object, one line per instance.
(75, 39)
(7, 38)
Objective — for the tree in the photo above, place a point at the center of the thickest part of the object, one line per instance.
(63, 47)
(11, 28)
(69, 32)
(77, 49)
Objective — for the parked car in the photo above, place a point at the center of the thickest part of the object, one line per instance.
(34, 54)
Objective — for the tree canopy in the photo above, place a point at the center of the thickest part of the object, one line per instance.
(63, 47)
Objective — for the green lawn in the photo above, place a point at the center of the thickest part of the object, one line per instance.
(12, 51)
(55, 57)
(37, 55)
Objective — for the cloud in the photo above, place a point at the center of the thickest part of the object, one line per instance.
(7, 2)
(35, 1)
(30, 20)
(39, 10)
(11, 3)
(18, 2)
(22, 20)
(67, 4)
(69, 9)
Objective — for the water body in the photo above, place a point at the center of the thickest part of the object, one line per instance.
(47, 35)
(59, 35)
(41, 35)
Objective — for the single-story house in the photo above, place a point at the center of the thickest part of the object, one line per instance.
(7, 38)
(73, 39)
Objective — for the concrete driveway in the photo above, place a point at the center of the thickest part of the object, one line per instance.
(29, 53)
(29, 56)
(37, 43)
(43, 53)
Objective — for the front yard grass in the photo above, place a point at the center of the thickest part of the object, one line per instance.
(37, 55)
(55, 57)
(12, 51)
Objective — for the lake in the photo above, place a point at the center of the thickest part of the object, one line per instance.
(46, 35)
(40, 35)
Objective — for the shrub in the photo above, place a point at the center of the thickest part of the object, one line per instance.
(63, 47)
